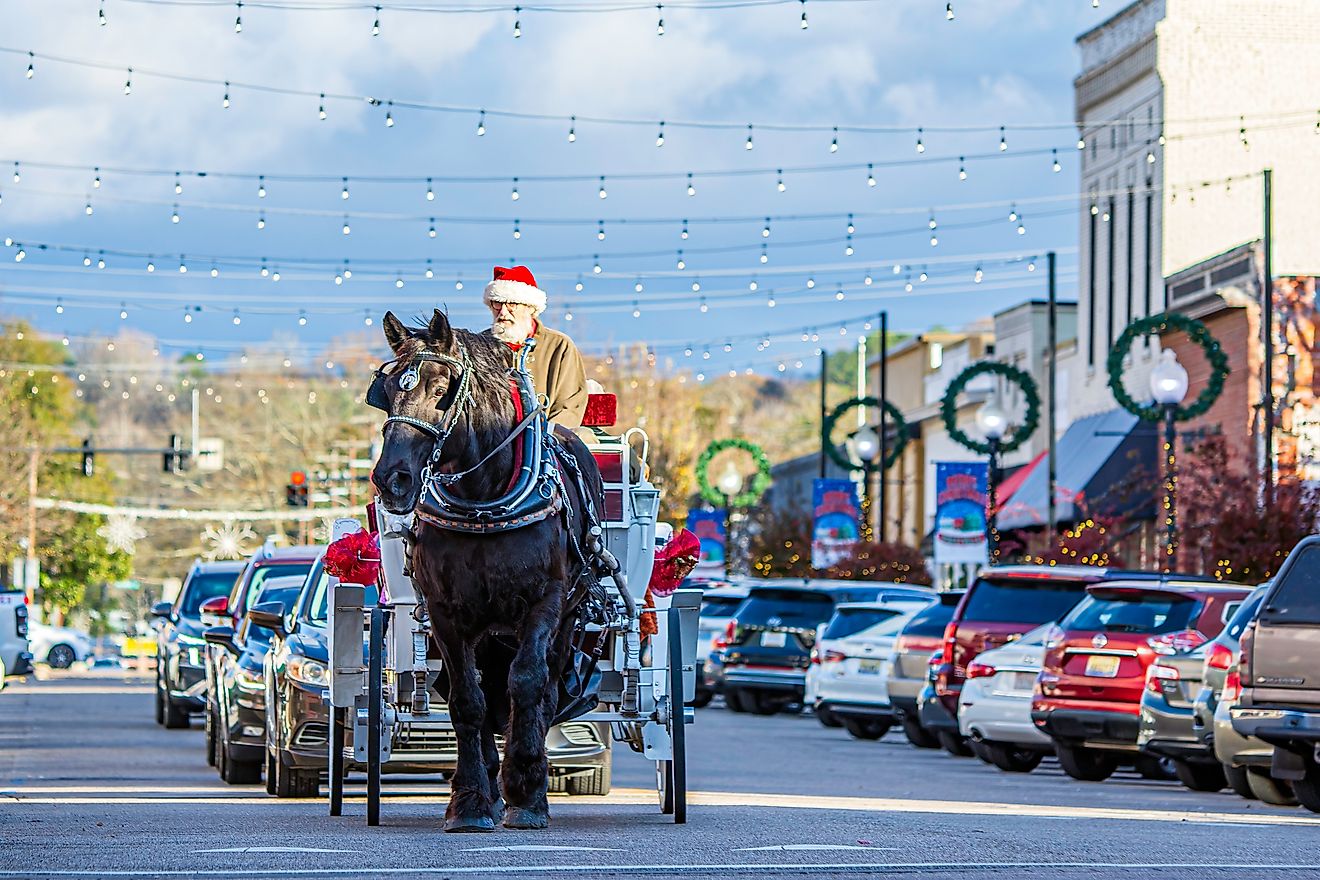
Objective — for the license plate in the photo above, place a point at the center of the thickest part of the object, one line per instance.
(869, 667)
(1024, 681)
(1102, 666)
(773, 640)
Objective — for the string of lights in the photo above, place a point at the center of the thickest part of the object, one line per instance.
(573, 122)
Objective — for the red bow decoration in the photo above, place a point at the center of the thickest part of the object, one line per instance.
(674, 562)
(354, 558)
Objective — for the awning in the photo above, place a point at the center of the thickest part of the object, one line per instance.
(1014, 481)
(1092, 458)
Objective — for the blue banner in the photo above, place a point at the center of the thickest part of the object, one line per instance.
(960, 499)
(708, 526)
(836, 518)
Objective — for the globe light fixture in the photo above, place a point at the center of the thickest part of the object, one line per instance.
(866, 444)
(730, 482)
(1168, 381)
(992, 420)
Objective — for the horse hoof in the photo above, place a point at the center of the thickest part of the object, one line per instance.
(469, 824)
(497, 809)
(517, 817)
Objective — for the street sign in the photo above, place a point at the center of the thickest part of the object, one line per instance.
(210, 454)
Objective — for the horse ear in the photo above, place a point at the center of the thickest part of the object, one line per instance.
(439, 328)
(395, 333)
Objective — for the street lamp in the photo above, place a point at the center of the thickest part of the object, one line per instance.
(730, 484)
(993, 422)
(864, 444)
(1168, 385)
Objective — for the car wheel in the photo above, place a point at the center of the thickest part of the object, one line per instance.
(239, 772)
(1200, 777)
(61, 656)
(160, 700)
(1237, 780)
(1087, 765)
(827, 718)
(1308, 789)
(865, 728)
(291, 782)
(174, 716)
(556, 785)
(702, 699)
(918, 735)
(1269, 790)
(1012, 758)
(211, 728)
(954, 744)
(1159, 769)
(733, 701)
(597, 782)
(270, 774)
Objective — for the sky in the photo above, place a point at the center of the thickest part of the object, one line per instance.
(763, 267)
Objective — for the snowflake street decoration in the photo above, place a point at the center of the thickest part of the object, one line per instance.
(323, 531)
(228, 540)
(121, 533)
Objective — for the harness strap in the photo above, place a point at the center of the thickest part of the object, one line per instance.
(450, 479)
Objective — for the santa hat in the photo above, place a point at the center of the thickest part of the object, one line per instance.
(514, 285)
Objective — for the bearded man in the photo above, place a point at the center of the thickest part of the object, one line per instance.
(555, 363)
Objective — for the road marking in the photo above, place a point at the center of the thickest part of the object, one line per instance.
(537, 847)
(809, 847)
(813, 869)
(74, 690)
(274, 849)
(643, 797)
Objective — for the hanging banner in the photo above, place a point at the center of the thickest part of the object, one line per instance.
(836, 516)
(960, 498)
(708, 526)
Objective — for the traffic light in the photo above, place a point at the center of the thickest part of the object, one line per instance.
(295, 493)
(88, 458)
(172, 460)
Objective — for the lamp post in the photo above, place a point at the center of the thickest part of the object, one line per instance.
(1168, 385)
(730, 485)
(865, 445)
(993, 422)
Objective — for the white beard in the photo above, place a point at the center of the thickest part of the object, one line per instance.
(508, 331)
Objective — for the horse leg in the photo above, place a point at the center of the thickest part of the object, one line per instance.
(470, 803)
(524, 771)
(490, 754)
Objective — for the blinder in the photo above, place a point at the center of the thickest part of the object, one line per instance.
(379, 398)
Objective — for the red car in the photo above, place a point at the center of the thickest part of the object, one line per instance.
(1088, 695)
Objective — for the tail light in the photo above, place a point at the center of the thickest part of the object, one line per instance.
(815, 657)
(916, 643)
(1245, 646)
(1232, 687)
(1219, 657)
(833, 657)
(1157, 674)
(980, 670)
(1175, 642)
(725, 640)
(950, 640)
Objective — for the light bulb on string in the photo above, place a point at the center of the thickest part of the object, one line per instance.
(238, 19)
(151, 265)
(343, 190)
(18, 176)
(59, 306)
(751, 285)
(1160, 139)
(481, 124)
(100, 260)
(261, 186)
(1012, 213)
(431, 233)
(1031, 266)
(1054, 161)
(749, 145)
(1021, 227)
(87, 208)
(779, 184)
(302, 317)
(728, 347)
(430, 272)
(834, 143)
(275, 275)
(174, 214)
(765, 230)
(264, 272)
(366, 317)
(811, 282)
(568, 313)
(638, 286)
(683, 233)
(183, 265)
(517, 231)
(389, 114)
(703, 307)
(375, 24)
(100, 15)
(1003, 141)
(595, 264)
(187, 315)
(691, 190)
(320, 108)
(923, 276)
(705, 354)
(681, 264)
(347, 229)
(96, 180)
(770, 300)
(804, 14)
(601, 192)
(224, 102)
(1150, 156)
(868, 280)
(870, 174)
(848, 247)
(1081, 143)
(962, 168)
(600, 230)
(398, 280)
(128, 83)
(907, 287)
(261, 220)
(572, 129)
(978, 275)
(215, 271)
(839, 295)
(898, 268)
(948, 11)
(513, 194)
(921, 145)
(660, 23)
(660, 135)
(458, 283)
(637, 311)
(517, 23)
(765, 257)
(237, 320)
(696, 286)
(851, 228)
(87, 258)
(843, 330)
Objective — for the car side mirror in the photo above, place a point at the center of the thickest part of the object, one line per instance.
(162, 609)
(222, 636)
(269, 615)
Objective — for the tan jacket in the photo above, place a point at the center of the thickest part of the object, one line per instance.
(558, 373)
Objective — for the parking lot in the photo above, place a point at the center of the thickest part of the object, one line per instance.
(90, 786)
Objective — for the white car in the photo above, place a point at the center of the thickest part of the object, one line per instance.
(59, 647)
(851, 661)
(717, 606)
(994, 708)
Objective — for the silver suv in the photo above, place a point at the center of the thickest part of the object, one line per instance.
(1279, 674)
(15, 656)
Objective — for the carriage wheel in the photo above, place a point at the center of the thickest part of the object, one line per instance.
(677, 718)
(376, 650)
(338, 721)
(664, 786)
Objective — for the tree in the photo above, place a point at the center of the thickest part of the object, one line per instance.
(779, 543)
(891, 563)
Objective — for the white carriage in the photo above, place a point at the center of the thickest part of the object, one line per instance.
(382, 700)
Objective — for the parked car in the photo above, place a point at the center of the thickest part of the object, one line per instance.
(717, 606)
(180, 649)
(236, 729)
(1089, 690)
(1165, 725)
(1245, 760)
(994, 705)
(59, 647)
(15, 658)
(766, 647)
(223, 615)
(909, 666)
(298, 721)
(1003, 603)
(848, 678)
(1279, 700)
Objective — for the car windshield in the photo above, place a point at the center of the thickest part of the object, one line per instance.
(286, 596)
(1021, 600)
(318, 610)
(1147, 614)
(930, 621)
(1297, 597)
(793, 608)
(273, 570)
(202, 586)
(851, 621)
(719, 606)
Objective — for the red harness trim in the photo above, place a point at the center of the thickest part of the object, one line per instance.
(518, 416)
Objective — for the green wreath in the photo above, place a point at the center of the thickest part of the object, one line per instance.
(760, 481)
(894, 416)
(1020, 378)
(1154, 325)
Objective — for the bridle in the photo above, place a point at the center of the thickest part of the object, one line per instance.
(451, 406)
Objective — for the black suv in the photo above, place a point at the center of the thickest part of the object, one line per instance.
(766, 650)
(180, 651)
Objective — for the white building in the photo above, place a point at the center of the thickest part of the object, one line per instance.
(1180, 104)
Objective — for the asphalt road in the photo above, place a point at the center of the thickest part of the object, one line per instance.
(90, 786)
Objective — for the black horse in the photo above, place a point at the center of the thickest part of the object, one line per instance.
(501, 604)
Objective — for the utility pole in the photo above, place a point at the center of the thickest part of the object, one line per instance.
(30, 572)
(1267, 327)
(1051, 394)
(824, 441)
(884, 418)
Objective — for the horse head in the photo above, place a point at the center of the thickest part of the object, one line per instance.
(417, 389)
